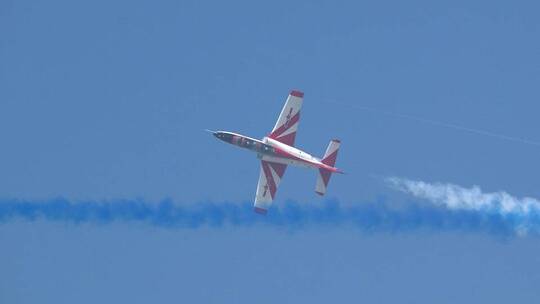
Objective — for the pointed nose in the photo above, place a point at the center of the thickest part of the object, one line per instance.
(222, 136)
(210, 131)
(217, 134)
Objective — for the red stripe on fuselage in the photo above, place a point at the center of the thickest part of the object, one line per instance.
(286, 154)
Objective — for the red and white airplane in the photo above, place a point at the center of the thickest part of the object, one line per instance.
(277, 150)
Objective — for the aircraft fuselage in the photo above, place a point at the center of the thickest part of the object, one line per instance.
(274, 151)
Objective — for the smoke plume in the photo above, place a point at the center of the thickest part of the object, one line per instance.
(368, 217)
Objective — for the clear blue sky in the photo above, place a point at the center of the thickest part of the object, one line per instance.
(104, 100)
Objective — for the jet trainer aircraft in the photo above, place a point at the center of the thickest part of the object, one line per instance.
(277, 150)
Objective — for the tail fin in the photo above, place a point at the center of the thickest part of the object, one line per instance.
(329, 159)
(330, 155)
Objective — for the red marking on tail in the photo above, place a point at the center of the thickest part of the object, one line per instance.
(330, 160)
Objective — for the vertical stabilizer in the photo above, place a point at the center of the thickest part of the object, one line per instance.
(323, 177)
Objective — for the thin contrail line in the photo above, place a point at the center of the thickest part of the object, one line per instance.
(443, 124)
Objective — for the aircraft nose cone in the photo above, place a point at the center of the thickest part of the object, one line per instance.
(213, 132)
(217, 134)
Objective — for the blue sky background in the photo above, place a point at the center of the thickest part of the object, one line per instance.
(105, 100)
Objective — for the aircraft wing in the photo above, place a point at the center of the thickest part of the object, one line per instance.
(269, 178)
(285, 129)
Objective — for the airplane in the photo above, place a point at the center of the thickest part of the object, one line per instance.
(276, 151)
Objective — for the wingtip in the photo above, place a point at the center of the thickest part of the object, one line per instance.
(319, 193)
(297, 93)
(260, 210)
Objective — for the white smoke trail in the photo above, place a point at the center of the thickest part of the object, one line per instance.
(523, 212)
(457, 197)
